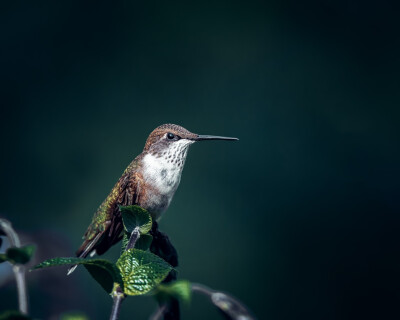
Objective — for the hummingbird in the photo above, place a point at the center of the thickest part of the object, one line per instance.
(149, 181)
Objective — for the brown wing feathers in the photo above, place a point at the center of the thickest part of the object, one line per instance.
(127, 194)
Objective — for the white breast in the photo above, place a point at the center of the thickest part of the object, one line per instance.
(162, 173)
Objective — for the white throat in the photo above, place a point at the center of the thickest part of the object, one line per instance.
(163, 172)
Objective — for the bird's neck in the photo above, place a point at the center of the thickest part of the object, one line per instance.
(163, 171)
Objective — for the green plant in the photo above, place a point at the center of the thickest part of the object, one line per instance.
(141, 272)
(18, 256)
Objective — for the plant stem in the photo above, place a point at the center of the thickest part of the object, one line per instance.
(230, 306)
(19, 270)
(12, 236)
(159, 313)
(197, 287)
(135, 235)
(118, 297)
(117, 294)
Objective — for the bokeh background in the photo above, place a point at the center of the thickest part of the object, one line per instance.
(299, 219)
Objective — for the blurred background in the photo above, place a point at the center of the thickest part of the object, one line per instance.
(299, 219)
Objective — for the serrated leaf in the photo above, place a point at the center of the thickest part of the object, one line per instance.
(125, 240)
(20, 255)
(141, 271)
(144, 242)
(54, 262)
(181, 290)
(135, 216)
(103, 271)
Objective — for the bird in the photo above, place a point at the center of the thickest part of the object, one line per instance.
(149, 181)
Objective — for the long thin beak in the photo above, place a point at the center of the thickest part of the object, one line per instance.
(201, 137)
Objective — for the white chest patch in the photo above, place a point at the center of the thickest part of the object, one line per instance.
(163, 172)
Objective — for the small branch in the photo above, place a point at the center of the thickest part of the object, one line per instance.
(200, 288)
(159, 313)
(118, 297)
(19, 270)
(117, 294)
(230, 306)
(12, 236)
(135, 235)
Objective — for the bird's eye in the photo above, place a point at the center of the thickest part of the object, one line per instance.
(170, 136)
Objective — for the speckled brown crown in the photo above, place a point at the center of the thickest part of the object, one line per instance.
(165, 128)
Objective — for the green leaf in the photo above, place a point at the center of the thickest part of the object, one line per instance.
(135, 216)
(58, 262)
(13, 315)
(103, 271)
(181, 290)
(16, 255)
(144, 242)
(20, 255)
(125, 240)
(141, 271)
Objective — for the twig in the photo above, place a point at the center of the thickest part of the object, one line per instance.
(117, 294)
(200, 288)
(118, 297)
(230, 306)
(19, 270)
(159, 313)
(135, 235)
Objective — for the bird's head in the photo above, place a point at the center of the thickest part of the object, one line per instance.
(173, 139)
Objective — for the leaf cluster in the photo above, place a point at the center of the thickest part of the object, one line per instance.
(137, 271)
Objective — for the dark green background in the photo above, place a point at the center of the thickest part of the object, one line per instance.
(299, 219)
